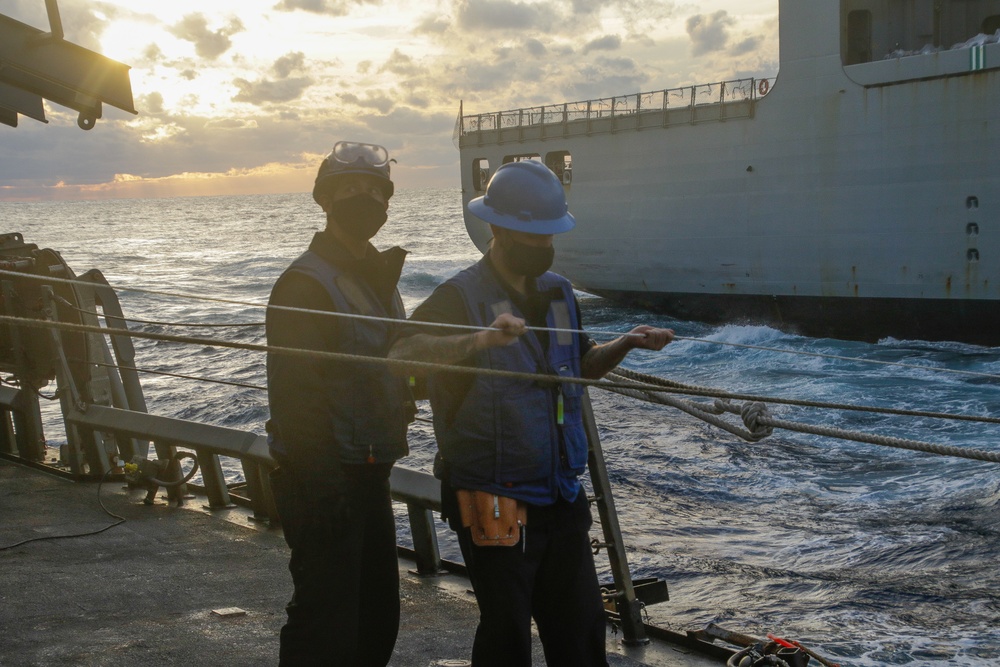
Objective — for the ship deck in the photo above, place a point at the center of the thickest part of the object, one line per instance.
(146, 592)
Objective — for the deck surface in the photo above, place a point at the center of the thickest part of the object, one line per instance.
(143, 593)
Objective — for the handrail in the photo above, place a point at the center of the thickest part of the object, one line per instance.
(413, 486)
(718, 93)
(418, 490)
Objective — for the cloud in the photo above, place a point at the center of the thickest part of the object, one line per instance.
(606, 43)
(416, 100)
(331, 7)
(231, 124)
(151, 103)
(709, 33)
(400, 64)
(291, 62)
(534, 47)
(638, 16)
(285, 89)
(30, 12)
(263, 91)
(408, 122)
(152, 54)
(747, 45)
(432, 24)
(207, 43)
(605, 74)
(587, 6)
(379, 101)
(502, 15)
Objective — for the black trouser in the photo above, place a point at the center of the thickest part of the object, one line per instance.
(345, 607)
(548, 576)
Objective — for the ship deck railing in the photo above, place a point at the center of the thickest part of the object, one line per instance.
(709, 102)
(419, 491)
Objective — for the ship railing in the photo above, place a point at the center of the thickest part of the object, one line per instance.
(171, 436)
(106, 423)
(717, 101)
(419, 491)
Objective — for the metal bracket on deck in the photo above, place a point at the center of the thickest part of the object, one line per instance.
(624, 598)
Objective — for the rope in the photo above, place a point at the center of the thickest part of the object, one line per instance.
(759, 425)
(642, 382)
(709, 414)
(291, 351)
(756, 420)
(308, 311)
(679, 387)
(886, 441)
(134, 320)
(100, 500)
(466, 327)
(181, 376)
(628, 379)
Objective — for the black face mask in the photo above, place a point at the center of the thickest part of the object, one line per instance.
(359, 216)
(527, 260)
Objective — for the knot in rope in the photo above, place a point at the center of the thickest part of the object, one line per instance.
(751, 414)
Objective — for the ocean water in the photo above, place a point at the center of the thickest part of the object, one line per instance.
(871, 555)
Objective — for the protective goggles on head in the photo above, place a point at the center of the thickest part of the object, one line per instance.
(352, 157)
(353, 153)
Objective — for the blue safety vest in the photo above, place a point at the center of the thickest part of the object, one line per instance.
(519, 438)
(371, 407)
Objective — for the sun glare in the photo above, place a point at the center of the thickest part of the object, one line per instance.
(125, 41)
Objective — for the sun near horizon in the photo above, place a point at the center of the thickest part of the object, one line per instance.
(247, 96)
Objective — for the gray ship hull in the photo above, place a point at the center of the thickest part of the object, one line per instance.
(846, 200)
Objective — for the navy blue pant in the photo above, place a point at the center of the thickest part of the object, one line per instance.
(548, 576)
(345, 607)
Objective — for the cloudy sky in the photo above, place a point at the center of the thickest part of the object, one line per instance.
(240, 96)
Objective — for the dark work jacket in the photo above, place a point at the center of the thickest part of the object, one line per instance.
(328, 413)
(505, 434)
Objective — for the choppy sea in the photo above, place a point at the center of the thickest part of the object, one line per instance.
(873, 556)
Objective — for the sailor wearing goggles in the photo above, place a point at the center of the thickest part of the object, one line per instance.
(336, 428)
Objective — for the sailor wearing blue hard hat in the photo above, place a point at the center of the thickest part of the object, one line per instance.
(510, 451)
(525, 205)
(527, 197)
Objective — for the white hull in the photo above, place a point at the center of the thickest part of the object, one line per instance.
(860, 190)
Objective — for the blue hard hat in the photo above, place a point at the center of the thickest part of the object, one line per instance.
(525, 196)
(352, 157)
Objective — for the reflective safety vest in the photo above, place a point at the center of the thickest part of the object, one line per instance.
(514, 437)
(370, 406)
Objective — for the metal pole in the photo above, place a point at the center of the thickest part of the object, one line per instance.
(629, 609)
(425, 544)
(55, 23)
